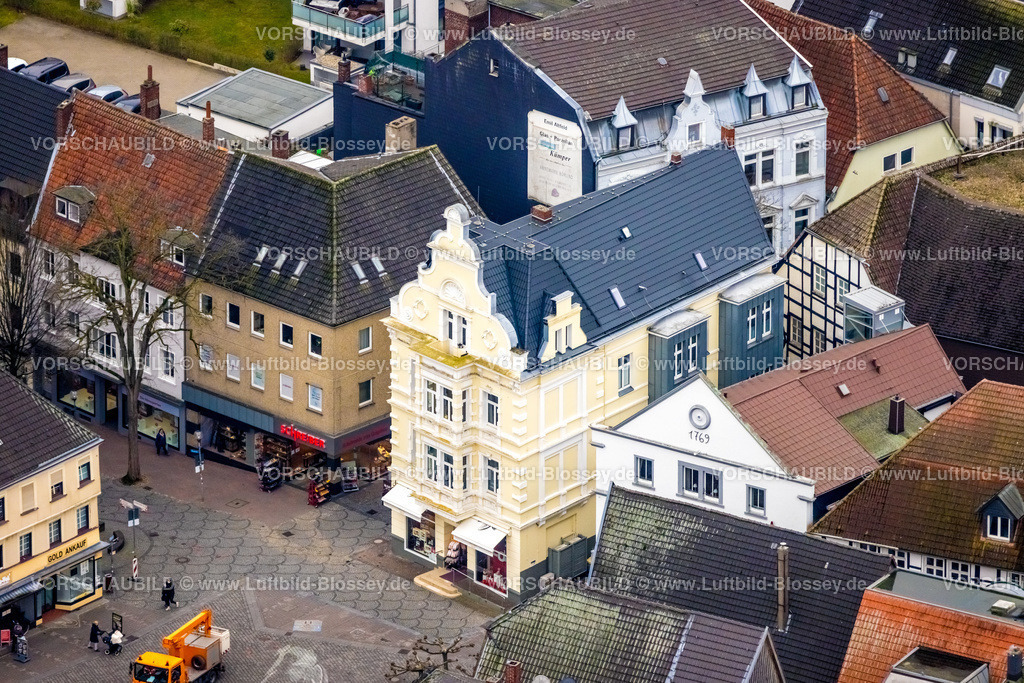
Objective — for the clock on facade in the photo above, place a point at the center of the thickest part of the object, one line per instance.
(700, 417)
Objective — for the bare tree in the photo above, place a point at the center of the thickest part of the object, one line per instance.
(423, 659)
(30, 305)
(131, 288)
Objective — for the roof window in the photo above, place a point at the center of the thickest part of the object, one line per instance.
(620, 303)
(358, 269)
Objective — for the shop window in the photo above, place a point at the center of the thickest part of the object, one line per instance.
(82, 518)
(84, 473)
(54, 531)
(287, 387)
(287, 335)
(78, 583)
(206, 305)
(234, 315)
(492, 408)
(365, 339)
(316, 398)
(152, 420)
(316, 345)
(25, 546)
(420, 535)
(492, 570)
(493, 476)
(365, 393)
(257, 324)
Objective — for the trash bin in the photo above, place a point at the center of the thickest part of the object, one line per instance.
(108, 581)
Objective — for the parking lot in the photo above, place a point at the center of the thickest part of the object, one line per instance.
(108, 61)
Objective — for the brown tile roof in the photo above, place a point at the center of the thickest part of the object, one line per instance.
(105, 152)
(927, 497)
(848, 74)
(806, 434)
(889, 627)
(596, 72)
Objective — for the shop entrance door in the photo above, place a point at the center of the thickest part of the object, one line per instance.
(49, 594)
(112, 402)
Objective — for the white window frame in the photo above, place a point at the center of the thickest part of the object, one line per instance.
(166, 362)
(69, 210)
(761, 109)
(227, 315)
(431, 462)
(758, 158)
(493, 475)
(369, 400)
(369, 339)
(998, 534)
(752, 493)
(455, 328)
(691, 353)
(252, 324)
(54, 525)
(493, 414)
(819, 279)
(309, 340)
(49, 264)
(312, 392)
(431, 397)
(752, 325)
(998, 77)
(690, 141)
(797, 218)
(206, 357)
(203, 299)
(79, 513)
(935, 566)
(766, 319)
(842, 288)
(796, 330)
(624, 367)
(234, 368)
(804, 96)
(448, 470)
(640, 463)
(167, 313)
(290, 395)
(258, 376)
(804, 148)
(280, 335)
(960, 571)
(818, 343)
(677, 360)
(447, 403)
(701, 474)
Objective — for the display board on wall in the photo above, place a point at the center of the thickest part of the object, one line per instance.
(554, 159)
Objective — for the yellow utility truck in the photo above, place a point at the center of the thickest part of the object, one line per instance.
(195, 654)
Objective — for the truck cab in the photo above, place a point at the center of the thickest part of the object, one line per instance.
(193, 654)
(151, 667)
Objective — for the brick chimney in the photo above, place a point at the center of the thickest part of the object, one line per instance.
(280, 146)
(897, 414)
(3, 56)
(365, 84)
(208, 128)
(729, 137)
(149, 96)
(63, 119)
(541, 213)
(400, 135)
(344, 71)
(782, 588)
(513, 671)
(676, 158)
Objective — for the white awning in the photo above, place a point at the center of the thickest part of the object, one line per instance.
(479, 534)
(400, 498)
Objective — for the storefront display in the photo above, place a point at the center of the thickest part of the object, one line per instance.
(73, 584)
(492, 571)
(420, 536)
(77, 391)
(152, 419)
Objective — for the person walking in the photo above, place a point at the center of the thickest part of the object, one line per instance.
(167, 594)
(94, 636)
(161, 443)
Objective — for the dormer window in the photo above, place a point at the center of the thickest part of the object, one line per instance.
(174, 253)
(757, 106)
(624, 124)
(68, 210)
(997, 79)
(873, 18)
(801, 97)
(998, 528)
(695, 134)
(625, 138)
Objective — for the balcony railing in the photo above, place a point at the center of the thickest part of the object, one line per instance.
(401, 14)
(333, 22)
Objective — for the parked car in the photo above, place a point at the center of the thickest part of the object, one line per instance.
(108, 93)
(74, 81)
(14, 64)
(47, 69)
(132, 103)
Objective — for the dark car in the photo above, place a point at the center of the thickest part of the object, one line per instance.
(47, 69)
(73, 82)
(132, 103)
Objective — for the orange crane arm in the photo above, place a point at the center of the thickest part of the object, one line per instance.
(174, 643)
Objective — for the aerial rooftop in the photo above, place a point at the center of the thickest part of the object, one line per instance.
(258, 97)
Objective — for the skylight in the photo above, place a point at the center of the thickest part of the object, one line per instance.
(148, 160)
(998, 77)
(261, 254)
(378, 265)
(279, 263)
(358, 269)
(299, 268)
(950, 55)
(700, 260)
(843, 390)
(620, 303)
(883, 94)
(626, 234)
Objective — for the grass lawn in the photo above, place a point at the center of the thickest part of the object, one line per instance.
(996, 179)
(7, 15)
(235, 33)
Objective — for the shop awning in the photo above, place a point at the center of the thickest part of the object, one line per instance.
(20, 589)
(400, 498)
(479, 534)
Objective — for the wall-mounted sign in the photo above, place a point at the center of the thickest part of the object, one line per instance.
(302, 437)
(66, 551)
(554, 159)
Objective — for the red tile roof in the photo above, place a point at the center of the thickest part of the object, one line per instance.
(105, 152)
(795, 409)
(848, 74)
(889, 627)
(927, 498)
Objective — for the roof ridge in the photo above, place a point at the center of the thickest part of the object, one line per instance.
(877, 212)
(856, 92)
(398, 160)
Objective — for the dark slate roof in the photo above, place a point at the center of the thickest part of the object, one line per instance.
(922, 501)
(654, 548)
(940, 25)
(601, 637)
(390, 209)
(33, 432)
(702, 205)
(27, 113)
(601, 50)
(350, 166)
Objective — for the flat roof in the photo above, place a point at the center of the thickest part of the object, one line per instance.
(962, 597)
(258, 97)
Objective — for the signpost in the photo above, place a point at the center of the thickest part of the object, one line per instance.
(200, 466)
(134, 508)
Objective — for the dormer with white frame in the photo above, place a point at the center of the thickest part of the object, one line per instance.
(694, 124)
(562, 329)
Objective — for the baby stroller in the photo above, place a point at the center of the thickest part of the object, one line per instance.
(112, 648)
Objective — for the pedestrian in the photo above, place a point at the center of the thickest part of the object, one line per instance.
(167, 594)
(115, 642)
(161, 443)
(94, 636)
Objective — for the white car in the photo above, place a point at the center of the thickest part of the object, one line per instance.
(108, 93)
(15, 64)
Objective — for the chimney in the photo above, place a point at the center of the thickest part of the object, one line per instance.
(513, 671)
(280, 147)
(63, 119)
(782, 588)
(3, 56)
(365, 84)
(344, 70)
(541, 213)
(729, 137)
(897, 411)
(676, 158)
(1014, 663)
(149, 96)
(208, 129)
(400, 135)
